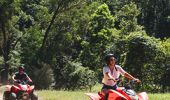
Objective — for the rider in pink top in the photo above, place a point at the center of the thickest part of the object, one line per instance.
(112, 72)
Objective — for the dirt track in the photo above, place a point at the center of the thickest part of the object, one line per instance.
(1, 97)
(2, 88)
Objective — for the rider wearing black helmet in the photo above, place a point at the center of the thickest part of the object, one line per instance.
(112, 72)
(21, 75)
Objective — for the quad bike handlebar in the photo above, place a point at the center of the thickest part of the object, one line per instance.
(127, 85)
(23, 82)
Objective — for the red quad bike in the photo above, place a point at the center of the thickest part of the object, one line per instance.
(122, 93)
(20, 91)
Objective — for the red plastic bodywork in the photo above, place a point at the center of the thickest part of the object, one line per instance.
(116, 95)
(15, 88)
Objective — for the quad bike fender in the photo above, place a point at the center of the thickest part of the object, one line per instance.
(112, 95)
(115, 95)
(93, 96)
(14, 89)
(143, 96)
(30, 89)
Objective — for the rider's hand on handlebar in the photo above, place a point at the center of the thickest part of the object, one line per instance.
(136, 80)
(31, 82)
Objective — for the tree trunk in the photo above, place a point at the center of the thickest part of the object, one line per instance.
(49, 27)
(4, 74)
(5, 53)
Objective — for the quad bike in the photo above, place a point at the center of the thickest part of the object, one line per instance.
(121, 93)
(20, 91)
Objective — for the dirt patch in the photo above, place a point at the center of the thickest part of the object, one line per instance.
(2, 88)
(1, 96)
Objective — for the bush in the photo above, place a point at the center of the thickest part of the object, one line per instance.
(145, 60)
(43, 77)
(74, 76)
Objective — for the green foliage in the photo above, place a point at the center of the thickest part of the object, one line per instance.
(154, 17)
(31, 41)
(43, 77)
(10, 36)
(7, 10)
(33, 13)
(101, 28)
(1, 60)
(144, 60)
(127, 17)
(14, 61)
(164, 81)
(55, 4)
(101, 19)
(74, 76)
(71, 37)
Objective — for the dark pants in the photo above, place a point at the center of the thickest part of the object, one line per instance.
(106, 87)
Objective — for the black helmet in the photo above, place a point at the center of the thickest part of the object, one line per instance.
(108, 56)
(21, 67)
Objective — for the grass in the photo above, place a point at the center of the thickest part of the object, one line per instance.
(66, 95)
(79, 95)
(62, 95)
(160, 96)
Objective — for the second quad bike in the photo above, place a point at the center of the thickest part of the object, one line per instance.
(20, 91)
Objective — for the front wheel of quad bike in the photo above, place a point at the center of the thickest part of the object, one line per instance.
(6, 95)
(24, 96)
(13, 96)
(34, 96)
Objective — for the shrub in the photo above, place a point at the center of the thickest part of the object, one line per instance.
(43, 77)
(75, 76)
(145, 60)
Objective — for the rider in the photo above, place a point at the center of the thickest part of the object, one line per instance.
(21, 75)
(112, 72)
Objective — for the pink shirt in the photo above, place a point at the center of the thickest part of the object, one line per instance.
(115, 74)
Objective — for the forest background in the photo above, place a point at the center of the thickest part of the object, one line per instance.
(63, 42)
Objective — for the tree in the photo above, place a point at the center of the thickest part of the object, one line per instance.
(10, 34)
(154, 17)
(33, 19)
(127, 17)
(145, 59)
(98, 38)
(59, 6)
(63, 45)
(164, 81)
